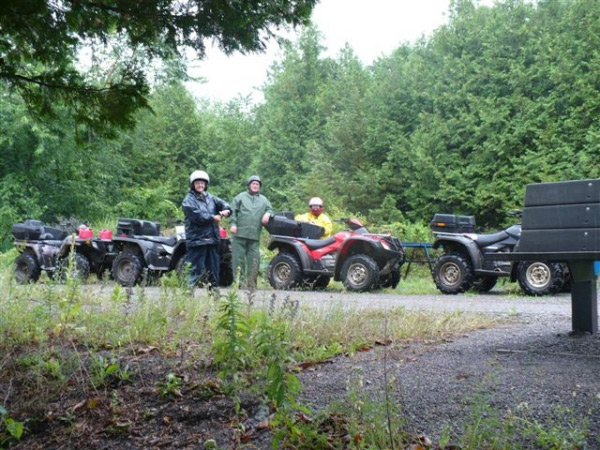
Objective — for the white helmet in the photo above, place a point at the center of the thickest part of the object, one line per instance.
(315, 201)
(199, 175)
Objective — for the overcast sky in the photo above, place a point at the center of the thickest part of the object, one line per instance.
(373, 28)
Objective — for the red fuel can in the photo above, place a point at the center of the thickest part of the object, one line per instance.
(105, 234)
(85, 232)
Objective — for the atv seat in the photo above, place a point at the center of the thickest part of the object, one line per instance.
(313, 244)
(166, 240)
(483, 240)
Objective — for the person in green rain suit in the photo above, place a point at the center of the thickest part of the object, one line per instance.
(250, 210)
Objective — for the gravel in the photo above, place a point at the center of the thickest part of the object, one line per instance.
(532, 368)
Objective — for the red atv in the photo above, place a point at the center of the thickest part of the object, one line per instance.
(361, 260)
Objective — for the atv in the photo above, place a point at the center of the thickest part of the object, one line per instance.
(43, 248)
(361, 260)
(464, 265)
(141, 249)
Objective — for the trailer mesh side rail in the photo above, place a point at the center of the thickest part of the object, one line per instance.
(418, 253)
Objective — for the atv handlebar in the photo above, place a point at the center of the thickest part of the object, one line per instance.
(352, 223)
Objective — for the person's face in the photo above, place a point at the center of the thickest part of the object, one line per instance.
(316, 209)
(199, 185)
(254, 187)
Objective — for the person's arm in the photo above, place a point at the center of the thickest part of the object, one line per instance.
(195, 213)
(327, 225)
(235, 204)
(224, 208)
(268, 212)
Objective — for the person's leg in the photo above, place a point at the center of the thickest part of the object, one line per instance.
(212, 265)
(238, 249)
(195, 256)
(253, 262)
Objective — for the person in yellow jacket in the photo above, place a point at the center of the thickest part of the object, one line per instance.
(316, 216)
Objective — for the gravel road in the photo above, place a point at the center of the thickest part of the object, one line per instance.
(491, 303)
(535, 368)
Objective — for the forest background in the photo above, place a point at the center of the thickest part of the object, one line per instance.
(459, 122)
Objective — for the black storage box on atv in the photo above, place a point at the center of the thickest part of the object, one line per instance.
(137, 227)
(34, 230)
(452, 223)
(281, 225)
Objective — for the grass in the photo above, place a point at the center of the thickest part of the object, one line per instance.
(54, 337)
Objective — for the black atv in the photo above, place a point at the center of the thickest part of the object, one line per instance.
(44, 248)
(463, 264)
(142, 250)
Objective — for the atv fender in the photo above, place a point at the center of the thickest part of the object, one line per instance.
(462, 244)
(178, 252)
(140, 247)
(364, 245)
(291, 246)
(130, 244)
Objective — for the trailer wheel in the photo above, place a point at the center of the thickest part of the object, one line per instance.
(360, 273)
(539, 278)
(284, 271)
(27, 268)
(127, 269)
(453, 274)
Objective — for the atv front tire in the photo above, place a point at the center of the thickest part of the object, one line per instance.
(127, 269)
(539, 278)
(284, 272)
(81, 271)
(360, 273)
(453, 274)
(27, 268)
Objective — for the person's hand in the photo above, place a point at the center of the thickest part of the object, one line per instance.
(217, 218)
(265, 218)
(225, 213)
(233, 229)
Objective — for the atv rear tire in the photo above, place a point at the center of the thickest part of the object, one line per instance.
(27, 268)
(127, 269)
(81, 271)
(453, 274)
(391, 280)
(539, 278)
(485, 284)
(284, 272)
(360, 273)
(319, 282)
(566, 279)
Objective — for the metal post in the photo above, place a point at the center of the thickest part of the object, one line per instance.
(584, 297)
